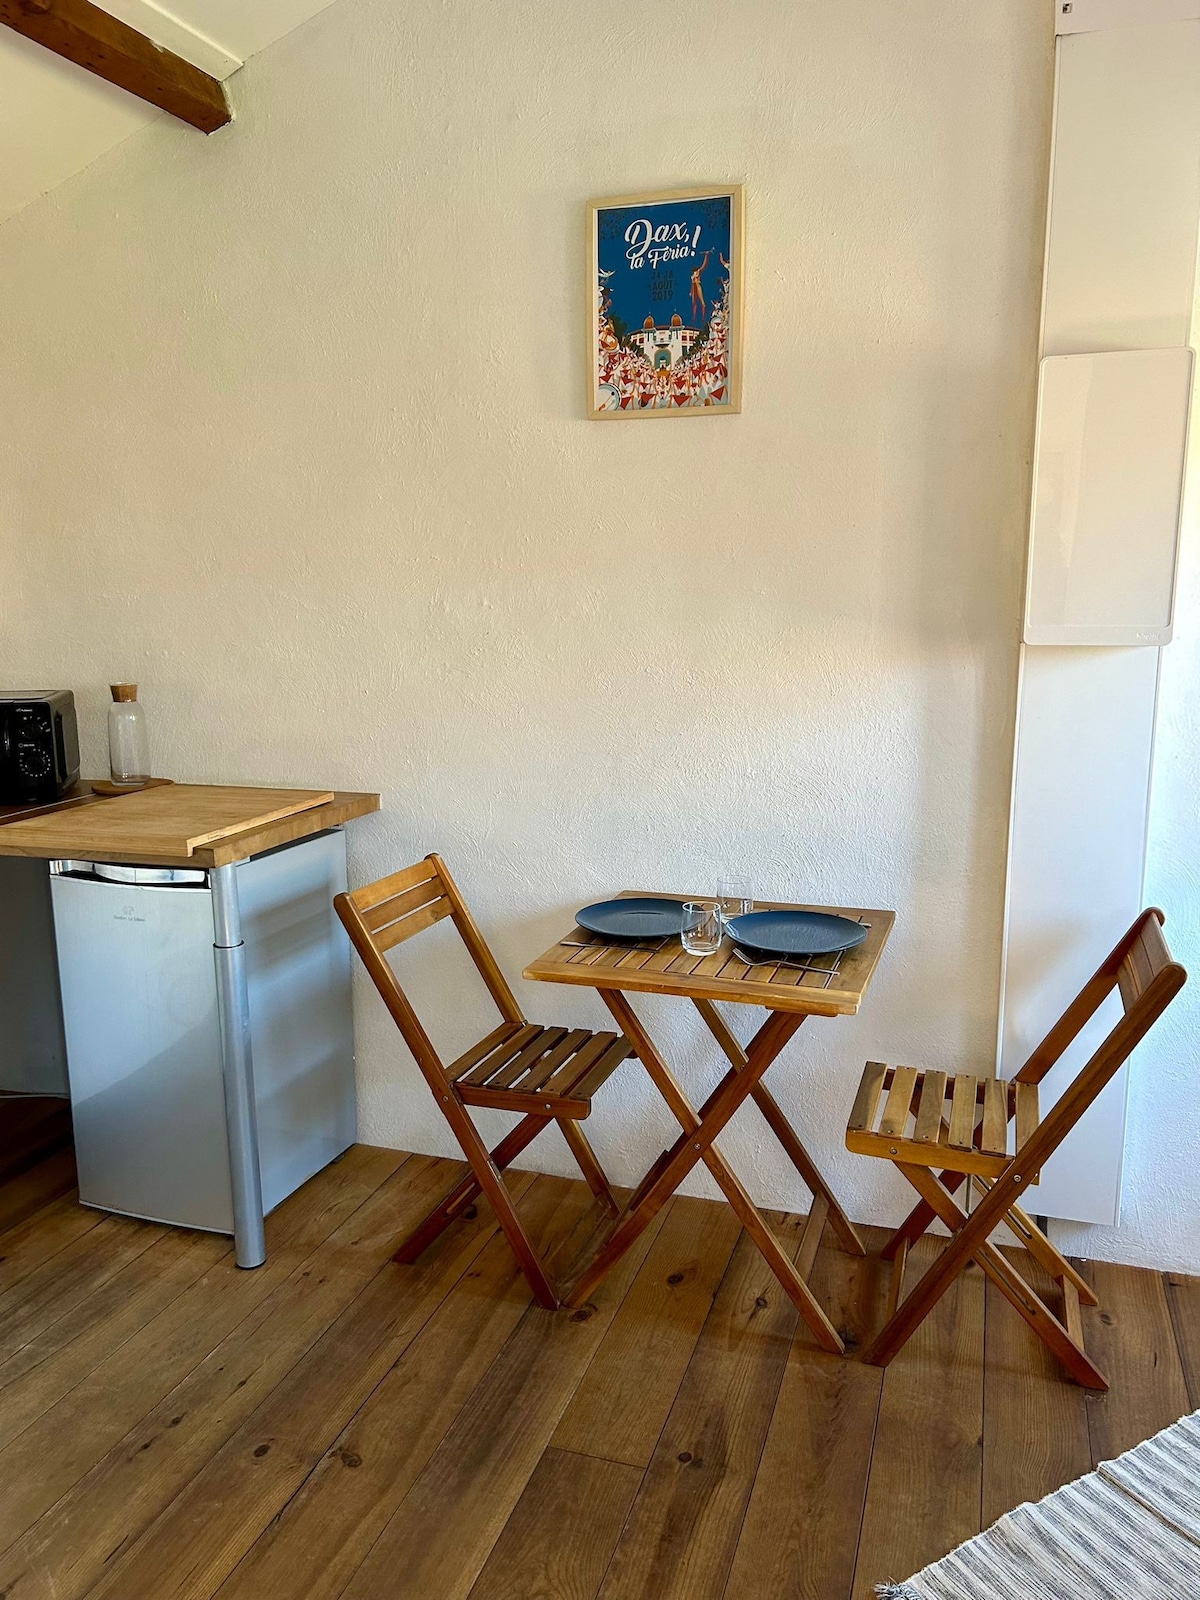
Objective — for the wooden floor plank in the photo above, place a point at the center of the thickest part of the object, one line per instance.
(1035, 1421)
(801, 1530)
(28, 1192)
(40, 1236)
(683, 1530)
(83, 1447)
(532, 1558)
(1132, 1340)
(445, 1527)
(925, 1486)
(329, 1526)
(619, 1409)
(51, 1365)
(61, 1284)
(207, 1528)
(337, 1427)
(1183, 1299)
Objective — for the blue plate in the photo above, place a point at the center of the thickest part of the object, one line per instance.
(795, 933)
(633, 919)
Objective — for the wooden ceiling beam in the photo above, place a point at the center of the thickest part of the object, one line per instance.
(87, 35)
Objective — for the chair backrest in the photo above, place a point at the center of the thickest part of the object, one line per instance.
(384, 914)
(1141, 970)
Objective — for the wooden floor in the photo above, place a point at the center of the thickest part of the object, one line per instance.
(333, 1425)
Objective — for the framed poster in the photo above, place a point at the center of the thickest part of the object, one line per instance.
(665, 275)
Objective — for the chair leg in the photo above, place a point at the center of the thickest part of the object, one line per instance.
(592, 1171)
(467, 1191)
(967, 1243)
(896, 1288)
(918, 1220)
(1044, 1253)
(492, 1184)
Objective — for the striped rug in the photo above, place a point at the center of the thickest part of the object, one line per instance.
(1129, 1531)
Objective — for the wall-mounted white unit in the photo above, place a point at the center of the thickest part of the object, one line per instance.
(1094, 16)
(1109, 462)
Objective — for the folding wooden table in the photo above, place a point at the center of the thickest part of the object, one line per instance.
(823, 986)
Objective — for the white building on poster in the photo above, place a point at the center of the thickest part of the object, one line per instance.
(664, 347)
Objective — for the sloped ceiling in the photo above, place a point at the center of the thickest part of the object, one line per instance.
(55, 118)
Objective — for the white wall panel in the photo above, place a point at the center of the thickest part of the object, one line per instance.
(1120, 275)
(1121, 262)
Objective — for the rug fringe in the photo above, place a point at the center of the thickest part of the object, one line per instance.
(896, 1591)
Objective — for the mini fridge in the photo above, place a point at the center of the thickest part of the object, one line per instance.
(143, 1041)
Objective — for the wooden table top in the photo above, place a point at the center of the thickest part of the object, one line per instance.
(829, 986)
(163, 826)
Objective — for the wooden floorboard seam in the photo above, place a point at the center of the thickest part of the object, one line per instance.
(862, 1510)
(801, 1331)
(1181, 1336)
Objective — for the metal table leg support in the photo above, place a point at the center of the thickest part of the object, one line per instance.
(237, 1069)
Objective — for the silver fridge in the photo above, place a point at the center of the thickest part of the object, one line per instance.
(143, 1036)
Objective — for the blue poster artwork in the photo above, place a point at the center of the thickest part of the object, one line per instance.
(664, 326)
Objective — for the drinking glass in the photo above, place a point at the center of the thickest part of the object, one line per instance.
(702, 928)
(735, 897)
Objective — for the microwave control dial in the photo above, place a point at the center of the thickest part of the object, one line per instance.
(34, 763)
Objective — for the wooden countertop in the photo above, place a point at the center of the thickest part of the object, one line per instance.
(74, 829)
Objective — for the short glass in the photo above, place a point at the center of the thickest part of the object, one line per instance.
(735, 897)
(702, 928)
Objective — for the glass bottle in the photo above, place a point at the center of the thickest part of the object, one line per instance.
(127, 757)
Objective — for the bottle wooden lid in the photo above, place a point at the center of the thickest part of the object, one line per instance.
(123, 691)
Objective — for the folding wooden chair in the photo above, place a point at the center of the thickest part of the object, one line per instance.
(548, 1073)
(960, 1125)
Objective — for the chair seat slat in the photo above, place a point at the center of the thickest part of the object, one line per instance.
(548, 1066)
(929, 1113)
(866, 1101)
(570, 1073)
(507, 1077)
(994, 1134)
(502, 1054)
(472, 1057)
(895, 1112)
(962, 1111)
(603, 1070)
(1028, 1112)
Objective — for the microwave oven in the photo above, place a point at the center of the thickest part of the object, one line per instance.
(39, 746)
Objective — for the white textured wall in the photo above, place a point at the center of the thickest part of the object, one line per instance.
(292, 433)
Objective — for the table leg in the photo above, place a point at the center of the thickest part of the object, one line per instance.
(784, 1132)
(695, 1144)
(237, 1069)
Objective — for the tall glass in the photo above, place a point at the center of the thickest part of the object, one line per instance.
(735, 897)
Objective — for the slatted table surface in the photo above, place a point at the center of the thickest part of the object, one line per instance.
(816, 985)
